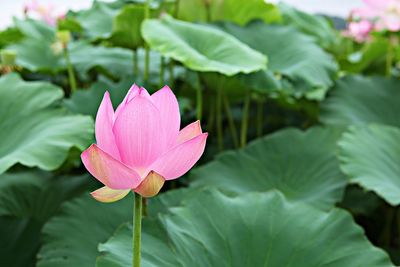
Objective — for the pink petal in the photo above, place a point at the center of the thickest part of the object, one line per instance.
(137, 132)
(104, 123)
(392, 23)
(133, 91)
(167, 104)
(151, 185)
(180, 159)
(108, 195)
(189, 132)
(364, 13)
(377, 4)
(108, 170)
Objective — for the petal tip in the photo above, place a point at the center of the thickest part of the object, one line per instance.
(151, 185)
(108, 195)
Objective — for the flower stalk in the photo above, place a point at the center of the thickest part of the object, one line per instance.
(137, 230)
(64, 37)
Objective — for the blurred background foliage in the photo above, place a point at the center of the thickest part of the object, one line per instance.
(317, 185)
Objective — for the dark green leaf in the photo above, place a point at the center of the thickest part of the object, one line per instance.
(302, 165)
(359, 100)
(370, 156)
(256, 229)
(33, 131)
(200, 47)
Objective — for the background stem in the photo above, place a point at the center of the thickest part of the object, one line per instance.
(231, 122)
(245, 120)
(171, 72)
(260, 118)
(70, 70)
(135, 64)
(199, 99)
(162, 71)
(176, 10)
(218, 110)
(137, 230)
(389, 57)
(147, 49)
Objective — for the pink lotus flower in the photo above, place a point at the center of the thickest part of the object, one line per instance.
(139, 146)
(385, 14)
(46, 13)
(359, 31)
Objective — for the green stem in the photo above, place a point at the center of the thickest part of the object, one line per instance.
(162, 71)
(218, 110)
(389, 59)
(176, 11)
(260, 118)
(199, 100)
(137, 230)
(245, 120)
(144, 207)
(231, 122)
(135, 64)
(207, 5)
(147, 48)
(70, 70)
(171, 72)
(146, 64)
(211, 114)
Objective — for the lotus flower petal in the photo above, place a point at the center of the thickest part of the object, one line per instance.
(392, 22)
(189, 132)
(181, 158)
(167, 104)
(133, 91)
(108, 170)
(137, 132)
(377, 4)
(104, 121)
(108, 195)
(151, 185)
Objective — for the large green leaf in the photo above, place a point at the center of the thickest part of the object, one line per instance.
(38, 55)
(370, 155)
(113, 60)
(35, 29)
(292, 55)
(71, 238)
(255, 229)
(87, 101)
(314, 25)
(9, 36)
(371, 56)
(201, 47)
(27, 201)
(126, 27)
(302, 165)
(33, 131)
(359, 100)
(97, 20)
(238, 11)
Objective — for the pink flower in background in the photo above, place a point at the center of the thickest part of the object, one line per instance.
(140, 145)
(384, 14)
(46, 13)
(359, 31)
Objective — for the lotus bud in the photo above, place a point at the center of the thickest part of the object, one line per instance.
(63, 37)
(8, 57)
